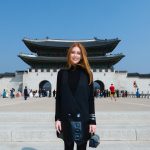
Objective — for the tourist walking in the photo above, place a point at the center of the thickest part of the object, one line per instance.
(75, 100)
(4, 93)
(40, 92)
(12, 95)
(25, 93)
(137, 93)
(54, 93)
(112, 92)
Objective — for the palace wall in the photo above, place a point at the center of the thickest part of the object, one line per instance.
(122, 82)
(119, 79)
(8, 83)
(32, 78)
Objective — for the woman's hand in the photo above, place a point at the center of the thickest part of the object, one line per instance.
(58, 126)
(92, 128)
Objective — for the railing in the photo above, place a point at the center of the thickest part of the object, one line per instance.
(142, 95)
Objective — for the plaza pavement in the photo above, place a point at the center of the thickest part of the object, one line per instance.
(47, 104)
(29, 125)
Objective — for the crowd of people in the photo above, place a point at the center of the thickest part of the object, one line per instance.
(12, 93)
(98, 93)
(37, 93)
(111, 92)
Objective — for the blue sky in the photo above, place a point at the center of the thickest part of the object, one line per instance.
(129, 20)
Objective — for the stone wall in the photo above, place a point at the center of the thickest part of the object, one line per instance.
(32, 79)
(11, 82)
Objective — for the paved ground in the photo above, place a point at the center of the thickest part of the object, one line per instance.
(48, 104)
(120, 129)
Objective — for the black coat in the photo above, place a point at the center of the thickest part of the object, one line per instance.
(74, 103)
(25, 92)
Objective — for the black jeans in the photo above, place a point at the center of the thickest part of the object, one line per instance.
(79, 147)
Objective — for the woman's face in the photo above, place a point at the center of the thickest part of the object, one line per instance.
(75, 55)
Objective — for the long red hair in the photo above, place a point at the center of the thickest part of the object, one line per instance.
(84, 63)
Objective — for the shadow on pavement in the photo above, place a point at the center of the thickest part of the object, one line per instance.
(28, 148)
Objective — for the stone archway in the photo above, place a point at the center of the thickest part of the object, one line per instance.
(45, 86)
(99, 85)
(98, 88)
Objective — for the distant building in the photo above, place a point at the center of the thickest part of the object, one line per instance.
(49, 55)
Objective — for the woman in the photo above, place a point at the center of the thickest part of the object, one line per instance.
(75, 98)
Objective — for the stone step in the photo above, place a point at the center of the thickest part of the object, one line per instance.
(11, 125)
(27, 132)
(58, 145)
(102, 117)
(32, 127)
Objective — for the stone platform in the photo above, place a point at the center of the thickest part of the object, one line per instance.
(29, 125)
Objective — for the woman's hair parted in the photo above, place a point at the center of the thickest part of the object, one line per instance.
(83, 62)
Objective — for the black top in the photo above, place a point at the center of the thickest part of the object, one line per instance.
(73, 79)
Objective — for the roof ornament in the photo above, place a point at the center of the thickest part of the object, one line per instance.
(95, 38)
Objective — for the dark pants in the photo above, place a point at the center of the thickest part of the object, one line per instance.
(79, 147)
(25, 97)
